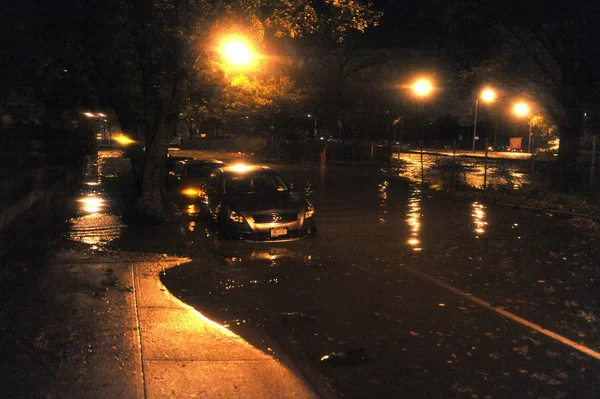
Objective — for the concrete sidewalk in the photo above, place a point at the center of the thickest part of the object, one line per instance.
(135, 340)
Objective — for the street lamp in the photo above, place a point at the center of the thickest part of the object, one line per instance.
(237, 51)
(523, 109)
(487, 95)
(422, 87)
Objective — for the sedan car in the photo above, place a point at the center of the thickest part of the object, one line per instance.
(188, 176)
(255, 203)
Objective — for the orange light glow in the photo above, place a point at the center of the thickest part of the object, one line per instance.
(422, 87)
(488, 95)
(521, 109)
(478, 215)
(91, 204)
(190, 192)
(240, 167)
(237, 51)
(123, 140)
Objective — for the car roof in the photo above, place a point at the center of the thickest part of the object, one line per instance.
(202, 162)
(241, 169)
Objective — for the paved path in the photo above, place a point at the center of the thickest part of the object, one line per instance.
(138, 341)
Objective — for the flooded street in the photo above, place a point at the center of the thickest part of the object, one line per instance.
(403, 293)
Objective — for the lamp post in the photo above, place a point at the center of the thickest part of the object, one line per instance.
(422, 89)
(487, 95)
(523, 109)
(314, 117)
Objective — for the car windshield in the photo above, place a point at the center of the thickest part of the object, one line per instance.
(261, 181)
(199, 170)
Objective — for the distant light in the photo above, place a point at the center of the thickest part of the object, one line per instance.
(203, 135)
(413, 242)
(89, 114)
(488, 95)
(101, 114)
(422, 87)
(190, 192)
(123, 140)
(309, 115)
(521, 109)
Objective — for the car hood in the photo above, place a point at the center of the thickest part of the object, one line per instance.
(264, 202)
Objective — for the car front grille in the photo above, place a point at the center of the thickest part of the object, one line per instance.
(284, 217)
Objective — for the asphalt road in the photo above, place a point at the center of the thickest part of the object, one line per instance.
(415, 294)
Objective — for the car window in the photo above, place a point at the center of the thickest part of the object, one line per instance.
(202, 171)
(255, 182)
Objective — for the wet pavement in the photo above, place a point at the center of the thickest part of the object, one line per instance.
(409, 292)
(96, 322)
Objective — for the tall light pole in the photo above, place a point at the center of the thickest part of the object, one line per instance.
(523, 109)
(422, 89)
(487, 95)
(315, 119)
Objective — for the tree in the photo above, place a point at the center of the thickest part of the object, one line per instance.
(548, 50)
(147, 52)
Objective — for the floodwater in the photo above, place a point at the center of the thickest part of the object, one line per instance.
(97, 208)
(409, 293)
(443, 171)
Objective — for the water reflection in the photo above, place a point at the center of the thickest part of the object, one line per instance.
(96, 229)
(192, 210)
(478, 215)
(450, 171)
(413, 218)
(383, 196)
(96, 222)
(308, 190)
(91, 203)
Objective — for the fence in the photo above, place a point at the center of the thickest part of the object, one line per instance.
(445, 170)
(297, 150)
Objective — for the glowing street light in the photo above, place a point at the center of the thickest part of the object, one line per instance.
(422, 87)
(488, 95)
(237, 51)
(522, 109)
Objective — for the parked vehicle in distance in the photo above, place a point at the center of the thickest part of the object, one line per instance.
(173, 159)
(188, 176)
(255, 203)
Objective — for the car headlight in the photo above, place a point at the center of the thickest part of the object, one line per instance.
(310, 211)
(190, 192)
(235, 217)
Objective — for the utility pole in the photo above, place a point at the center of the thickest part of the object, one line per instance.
(475, 123)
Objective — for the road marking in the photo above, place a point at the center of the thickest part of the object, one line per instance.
(507, 314)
